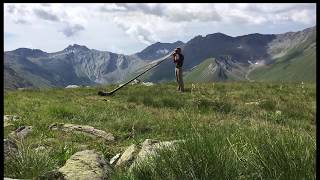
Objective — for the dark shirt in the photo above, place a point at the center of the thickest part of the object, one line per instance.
(179, 61)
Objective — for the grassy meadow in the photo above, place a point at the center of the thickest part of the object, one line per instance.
(234, 130)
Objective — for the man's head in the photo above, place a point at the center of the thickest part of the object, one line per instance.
(177, 50)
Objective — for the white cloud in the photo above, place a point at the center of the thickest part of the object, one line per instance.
(151, 22)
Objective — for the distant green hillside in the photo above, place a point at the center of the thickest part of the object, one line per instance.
(212, 69)
(299, 64)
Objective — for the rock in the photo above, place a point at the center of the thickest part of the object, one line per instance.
(10, 148)
(88, 130)
(21, 132)
(150, 146)
(133, 155)
(8, 119)
(115, 159)
(127, 157)
(86, 164)
(72, 86)
(53, 174)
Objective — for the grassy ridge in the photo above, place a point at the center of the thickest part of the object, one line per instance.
(294, 67)
(201, 72)
(210, 71)
(227, 135)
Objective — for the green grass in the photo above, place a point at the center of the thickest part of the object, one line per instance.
(226, 138)
(232, 152)
(208, 71)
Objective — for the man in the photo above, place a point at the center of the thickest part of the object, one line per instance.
(178, 60)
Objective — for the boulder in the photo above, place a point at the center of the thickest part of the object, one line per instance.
(127, 156)
(133, 155)
(150, 146)
(10, 148)
(8, 119)
(85, 165)
(88, 130)
(21, 132)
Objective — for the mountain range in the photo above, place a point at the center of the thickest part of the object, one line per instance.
(215, 57)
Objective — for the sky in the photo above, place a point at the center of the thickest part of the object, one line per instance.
(128, 28)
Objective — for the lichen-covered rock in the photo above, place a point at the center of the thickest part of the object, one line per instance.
(8, 119)
(150, 146)
(10, 148)
(127, 156)
(21, 132)
(85, 165)
(88, 130)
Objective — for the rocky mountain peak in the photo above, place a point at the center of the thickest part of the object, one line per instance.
(158, 50)
(76, 47)
(26, 52)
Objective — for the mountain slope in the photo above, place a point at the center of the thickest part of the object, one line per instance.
(240, 49)
(254, 54)
(76, 64)
(294, 60)
(276, 57)
(216, 69)
(157, 50)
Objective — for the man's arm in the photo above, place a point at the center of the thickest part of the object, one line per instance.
(174, 57)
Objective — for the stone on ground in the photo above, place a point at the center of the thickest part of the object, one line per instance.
(10, 148)
(9, 119)
(85, 165)
(128, 155)
(88, 130)
(21, 132)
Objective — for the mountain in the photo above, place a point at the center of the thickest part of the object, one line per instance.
(294, 56)
(214, 57)
(76, 64)
(249, 57)
(217, 69)
(157, 50)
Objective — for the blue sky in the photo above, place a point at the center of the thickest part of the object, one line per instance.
(128, 28)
